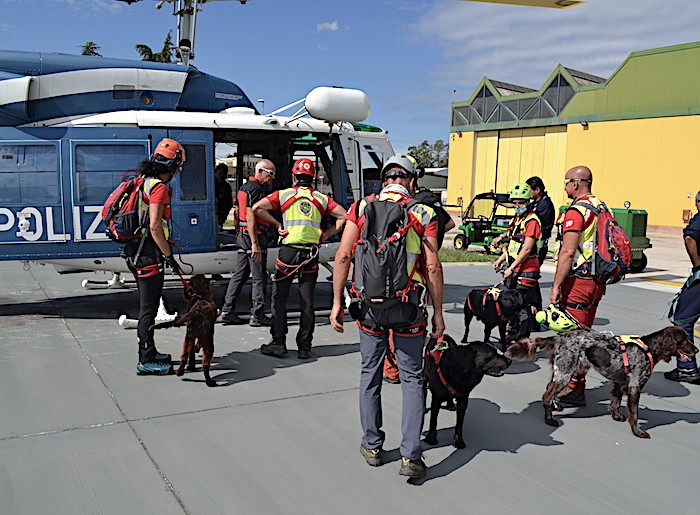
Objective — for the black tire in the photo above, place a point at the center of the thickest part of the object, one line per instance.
(639, 264)
(461, 242)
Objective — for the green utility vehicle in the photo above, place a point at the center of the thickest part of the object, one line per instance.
(485, 218)
(634, 222)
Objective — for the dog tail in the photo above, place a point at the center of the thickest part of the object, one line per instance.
(173, 323)
(526, 348)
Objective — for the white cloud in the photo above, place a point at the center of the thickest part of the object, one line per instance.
(6, 27)
(522, 45)
(80, 6)
(327, 26)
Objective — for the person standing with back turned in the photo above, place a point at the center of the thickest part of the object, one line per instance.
(147, 256)
(303, 209)
(575, 288)
(404, 318)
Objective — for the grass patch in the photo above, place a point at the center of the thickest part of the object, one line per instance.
(450, 255)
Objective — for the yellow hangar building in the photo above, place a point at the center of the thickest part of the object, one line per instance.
(638, 131)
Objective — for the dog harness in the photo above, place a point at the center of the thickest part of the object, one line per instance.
(493, 293)
(436, 354)
(634, 340)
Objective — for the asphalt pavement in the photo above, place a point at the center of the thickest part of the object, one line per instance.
(81, 433)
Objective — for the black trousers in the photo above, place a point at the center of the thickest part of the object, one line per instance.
(150, 290)
(286, 269)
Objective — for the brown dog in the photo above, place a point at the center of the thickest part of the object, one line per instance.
(200, 319)
(628, 367)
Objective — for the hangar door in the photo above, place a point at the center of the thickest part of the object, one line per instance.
(507, 157)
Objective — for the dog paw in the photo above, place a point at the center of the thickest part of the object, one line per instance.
(431, 439)
(552, 422)
(459, 444)
(641, 434)
(191, 368)
(180, 372)
(619, 418)
(211, 383)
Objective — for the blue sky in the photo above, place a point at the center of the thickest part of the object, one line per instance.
(413, 58)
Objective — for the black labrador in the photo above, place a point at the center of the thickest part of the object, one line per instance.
(494, 308)
(453, 373)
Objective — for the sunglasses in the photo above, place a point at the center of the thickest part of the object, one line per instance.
(569, 181)
(271, 172)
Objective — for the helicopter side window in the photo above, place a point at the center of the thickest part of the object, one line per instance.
(100, 168)
(28, 174)
(193, 178)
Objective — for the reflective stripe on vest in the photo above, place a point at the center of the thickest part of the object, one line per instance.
(583, 258)
(148, 184)
(302, 211)
(514, 246)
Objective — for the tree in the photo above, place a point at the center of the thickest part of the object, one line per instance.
(164, 56)
(430, 156)
(91, 48)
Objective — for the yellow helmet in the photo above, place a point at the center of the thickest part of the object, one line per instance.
(557, 320)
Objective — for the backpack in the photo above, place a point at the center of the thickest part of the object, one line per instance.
(613, 252)
(431, 199)
(381, 278)
(120, 213)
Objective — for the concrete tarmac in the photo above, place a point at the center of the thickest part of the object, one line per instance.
(80, 433)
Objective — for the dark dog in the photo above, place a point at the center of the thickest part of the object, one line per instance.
(577, 350)
(200, 319)
(481, 304)
(453, 374)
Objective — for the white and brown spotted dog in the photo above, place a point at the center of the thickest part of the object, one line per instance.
(578, 350)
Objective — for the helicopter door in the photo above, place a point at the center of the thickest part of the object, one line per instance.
(32, 211)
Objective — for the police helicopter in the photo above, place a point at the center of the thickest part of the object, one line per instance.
(73, 127)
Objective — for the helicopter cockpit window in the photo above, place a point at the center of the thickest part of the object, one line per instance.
(100, 168)
(28, 174)
(193, 178)
(371, 159)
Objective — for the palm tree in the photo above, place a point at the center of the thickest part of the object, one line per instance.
(164, 56)
(91, 48)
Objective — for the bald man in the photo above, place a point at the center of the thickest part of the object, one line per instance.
(252, 251)
(575, 288)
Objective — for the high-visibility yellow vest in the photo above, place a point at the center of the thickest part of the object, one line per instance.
(414, 247)
(583, 259)
(518, 227)
(302, 211)
(148, 184)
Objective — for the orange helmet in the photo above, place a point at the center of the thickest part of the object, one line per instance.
(170, 154)
(304, 166)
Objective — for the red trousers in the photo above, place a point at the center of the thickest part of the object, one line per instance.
(580, 297)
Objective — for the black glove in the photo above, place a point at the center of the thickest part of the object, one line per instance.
(173, 264)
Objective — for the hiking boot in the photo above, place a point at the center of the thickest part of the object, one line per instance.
(262, 321)
(683, 375)
(573, 399)
(390, 380)
(230, 319)
(373, 457)
(413, 468)
(154, 368)
(163, 358)
(273, 349)
(304, 354)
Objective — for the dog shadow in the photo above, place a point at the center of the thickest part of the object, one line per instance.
(240, 366)
(487, 429)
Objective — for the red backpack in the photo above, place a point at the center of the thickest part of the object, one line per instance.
(120, 212)
(613, 251)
